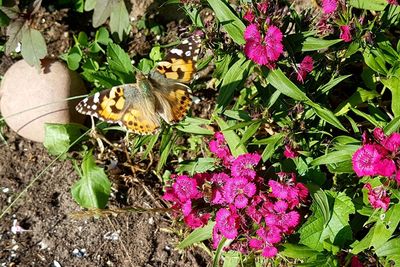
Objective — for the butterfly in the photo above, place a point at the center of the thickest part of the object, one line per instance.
(163, 93)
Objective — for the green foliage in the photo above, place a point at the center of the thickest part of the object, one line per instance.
(197, 236)
(94, 188)
(59, 138)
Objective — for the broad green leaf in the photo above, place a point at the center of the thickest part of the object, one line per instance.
(231, 258)
(328, 223)
(102, 11)
(73, 58)
(231, 23)
(232, 80)
(145, 65)
(90, 4)
(393, 83)
(94, 188)
(374, 62)
(381, 232)
(390, 250)
(198, 235)
(155, 53)
(59, 137)
(231, 138)
(326, 115)
(359, 97)
(296, 251)
(313, 44)
(120, 63)
(106, 78)
(392, 126)
(33, 47)
(376, 5)
(102, 36)
(119, 20)
(279, 80)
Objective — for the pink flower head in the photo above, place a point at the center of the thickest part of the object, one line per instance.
(345, 33)
(392, 143)
(393, 2)
(218, 180)
(366, 159)
(243, 166)
(249, 16)
(329, 6)
(263, 242)
(377, 197)
(263, 51)
(194, 220)
(290, 152)
(186, 188)
(238, 190)
(227, 222)
(306, 66)
(219, 147)
(379, 135)
(263, 6)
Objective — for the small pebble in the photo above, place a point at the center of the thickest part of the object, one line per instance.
(56, 264)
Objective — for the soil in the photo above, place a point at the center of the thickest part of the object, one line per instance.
(52, 233)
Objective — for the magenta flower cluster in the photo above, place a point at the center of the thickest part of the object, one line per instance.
(378, 156)
(263, 40)
(254, 213)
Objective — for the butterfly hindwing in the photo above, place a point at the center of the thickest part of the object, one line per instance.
(126, 105)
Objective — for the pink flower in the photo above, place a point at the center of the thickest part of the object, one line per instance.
(218, 180)
(227, 222)
(243, 166)
(329, 6)
(196, 220)
(237, 191)
(220, 149)
(290, 152)
(366, 158)
(263, 242)
(263, 51)
(355, 262)
(377, 197)
(393, 2)
(249, 16)
(263, 6)
(345, 33)
(306, 66)
(392, 143)
(186, 188)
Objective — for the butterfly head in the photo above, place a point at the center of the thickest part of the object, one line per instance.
(143, 83)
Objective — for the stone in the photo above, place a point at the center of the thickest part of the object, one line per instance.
(29, 98)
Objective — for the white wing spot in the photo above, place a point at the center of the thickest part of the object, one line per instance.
(85, 100)
(96, 97)
(176, 51)
(190, 47)
(188, 53)
(94, 107)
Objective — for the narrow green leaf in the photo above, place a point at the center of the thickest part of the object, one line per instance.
(334, 157)
(272, 143)
(359, 97)
(102, 11)
(231, 138)
(376, 5)
(279, 80)
(295, 251)
(231, 23)
(119, 20)
(233, 78)
(94, 188)
(392, 126)
(167, 142)
(33, 47)
(326, 115)
(250, 131)
(393, 83)
(198, 235)
(199, 165)
(313, 44)
(368, 117)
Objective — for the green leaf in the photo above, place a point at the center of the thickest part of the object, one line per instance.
(120, 63)
(198, 235)
(271, 142)
(279, 80)
(374, 63)
(231, 23)
(232, 80)
(313, 44)
(4, 19)
(90, 4)
(390, 250)
(59, 137)
(392, 126)
(73, 58)
(199, 165)
(296, 251)
(393, 83)
(102, 36)
(231, 259)
(119, 20)
(360, 96)
(231, 138)
(102, 11)
(94, 188)
(381, 232)
(326, 115)
(329, 221)
(332, 83)
(33, 47)
(15, 32)
(155, 53)
(145, 65)
(335, 156)
(376, 5)
(368, 117)
(167, 141)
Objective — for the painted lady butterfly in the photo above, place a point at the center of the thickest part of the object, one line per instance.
(162, 94)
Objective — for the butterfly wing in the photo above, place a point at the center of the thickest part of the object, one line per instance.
(179, 63)
(126, 105)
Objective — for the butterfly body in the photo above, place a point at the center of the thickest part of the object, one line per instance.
(162, 94)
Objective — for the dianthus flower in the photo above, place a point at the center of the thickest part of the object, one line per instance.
(306, 66)
(238, 190)
(393, 2)
(264, 241)
(218, 180)
(263, 6)
(227, 222)
(263, 51)
(329, 6)
(377, 197)
(219, 147)
(290, 152)
(243, 166)
(345, 33)
(370, 160)
(249, 16)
